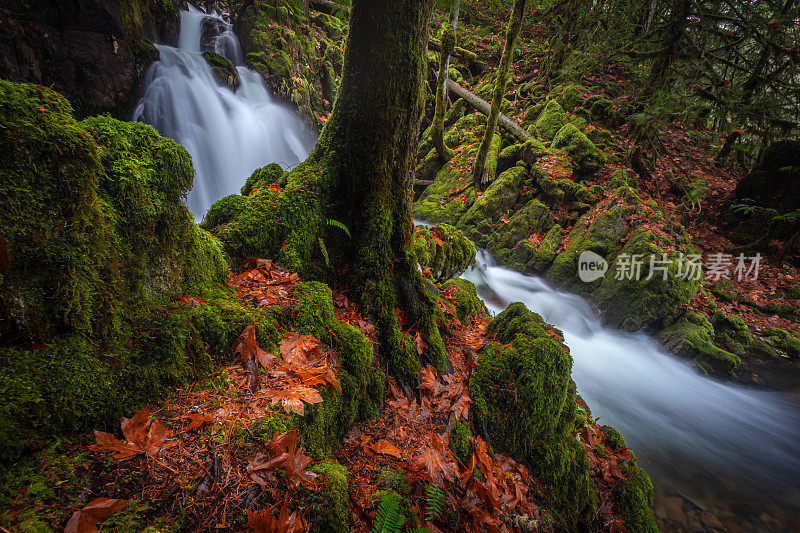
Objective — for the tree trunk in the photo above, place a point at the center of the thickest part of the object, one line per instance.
(360, 173)
(673, 34)
(448, 43)
(478, 175)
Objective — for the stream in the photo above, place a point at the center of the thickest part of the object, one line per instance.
(713, 449)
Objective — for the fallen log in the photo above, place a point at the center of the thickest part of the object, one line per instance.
(468, 56)
(483, 106)
(328, 7)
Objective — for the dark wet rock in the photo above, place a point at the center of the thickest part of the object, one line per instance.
(95, 52)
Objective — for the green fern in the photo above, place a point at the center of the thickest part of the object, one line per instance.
(337, 224)
(434, 502)
(388, 518)
(324, 251)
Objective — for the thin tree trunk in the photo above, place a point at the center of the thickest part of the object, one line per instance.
(651, 11)
(360, 173)
(448, 43)
(676, 27)
(479, 177)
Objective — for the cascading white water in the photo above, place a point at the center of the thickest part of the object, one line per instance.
(691, 432)
(228, 134)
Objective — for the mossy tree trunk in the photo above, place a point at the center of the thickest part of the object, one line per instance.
(479, 176)
(673, 34)
(448, 44)
(360, 173)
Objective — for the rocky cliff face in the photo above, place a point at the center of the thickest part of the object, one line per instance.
(95, 52)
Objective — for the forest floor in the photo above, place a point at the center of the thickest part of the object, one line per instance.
(217, 447)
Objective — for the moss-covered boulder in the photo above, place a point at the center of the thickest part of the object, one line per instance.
(95, 242)
(604, 112)
(550, 120)
(444, 250)
(224, 69)
(299, 57)
(525, 405)
(528, 152)
(692, 336)
(498, 198)
(465, 299)
(633, 496)
(584, 156)
(533, 217)
(223, 211)
(530, 258)
(637, 300)
(568, 96)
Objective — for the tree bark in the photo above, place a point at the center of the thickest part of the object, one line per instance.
(360, 173)
(448, 43)
(479, 177)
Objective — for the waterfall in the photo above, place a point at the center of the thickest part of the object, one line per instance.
(228, 134)
(692, 433)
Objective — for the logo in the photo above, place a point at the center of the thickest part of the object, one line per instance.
(591, 266)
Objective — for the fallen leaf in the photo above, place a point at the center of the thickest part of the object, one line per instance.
(385, 447)
(93, 514)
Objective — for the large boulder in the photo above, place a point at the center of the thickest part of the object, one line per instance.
(98, 62)
(775, 181)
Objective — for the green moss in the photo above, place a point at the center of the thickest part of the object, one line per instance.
(223, 211)
(224, 69)
(525, 403)
(633, 497)
(631, 303)
(460, 443)
(693, 336)
(603, 112)
(466, 301)
(534, 216)
(444, 250)
(498, 197)
(550, 120)
(538, 258)
(269, 426)
(329, 510)
(362, 385)
(262, 177)
(787, 344)
(568, 96)
(584, 156)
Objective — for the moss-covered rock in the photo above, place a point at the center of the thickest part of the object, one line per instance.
(568, 96)
(444, 250)
(498, 197)
(223, 211)
(532, 217)
(261, 177)
(528, 152)
(603, 112)
(224, 69)
(530, 258)
(692, 336)
(633, 497)
(584, 156)
(786, 343)
(328, 509)
(97, 240)
(465, 299)
(299, 57)
(550, 120)
(525, 406)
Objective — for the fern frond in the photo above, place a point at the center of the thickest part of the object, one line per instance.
(387, 516)
(337, 224)
(324, 251)
(434, 502)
